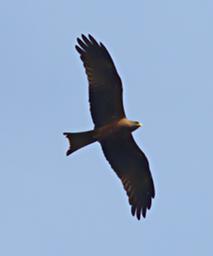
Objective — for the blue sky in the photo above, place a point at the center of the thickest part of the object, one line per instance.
(54, 205)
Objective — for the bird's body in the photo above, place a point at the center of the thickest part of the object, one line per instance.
(112, 129)
(120, 126)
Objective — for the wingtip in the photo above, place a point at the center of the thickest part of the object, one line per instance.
(138, 216)
(78, 49)
(93, 40)
(138, 212)
(133, 211)
(144, 212)
(79, 40)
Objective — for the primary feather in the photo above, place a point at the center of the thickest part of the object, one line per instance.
(105, 88)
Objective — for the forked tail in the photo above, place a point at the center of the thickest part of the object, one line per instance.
(78, 140)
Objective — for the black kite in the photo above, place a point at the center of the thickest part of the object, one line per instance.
(112, 128)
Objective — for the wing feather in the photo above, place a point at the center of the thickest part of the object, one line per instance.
(132, 167)
(105, 87)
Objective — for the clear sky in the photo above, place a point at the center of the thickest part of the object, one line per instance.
(53, 205)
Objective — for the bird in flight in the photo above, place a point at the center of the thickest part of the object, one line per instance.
(111, 127)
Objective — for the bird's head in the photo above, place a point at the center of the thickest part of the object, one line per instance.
(135, 125)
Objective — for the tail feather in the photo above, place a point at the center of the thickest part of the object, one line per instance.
(78, 140)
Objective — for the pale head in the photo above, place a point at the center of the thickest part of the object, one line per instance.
(130, 125)
(135, 125)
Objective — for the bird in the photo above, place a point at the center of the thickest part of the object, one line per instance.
(112, 129)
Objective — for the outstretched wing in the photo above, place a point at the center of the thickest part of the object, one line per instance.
(105, 87)
(132, 167)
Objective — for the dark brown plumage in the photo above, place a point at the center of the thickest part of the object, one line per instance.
(112, 128)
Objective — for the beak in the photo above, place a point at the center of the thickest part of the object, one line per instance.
(140, 124)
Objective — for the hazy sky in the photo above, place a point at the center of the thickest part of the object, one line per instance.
(53, 205)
